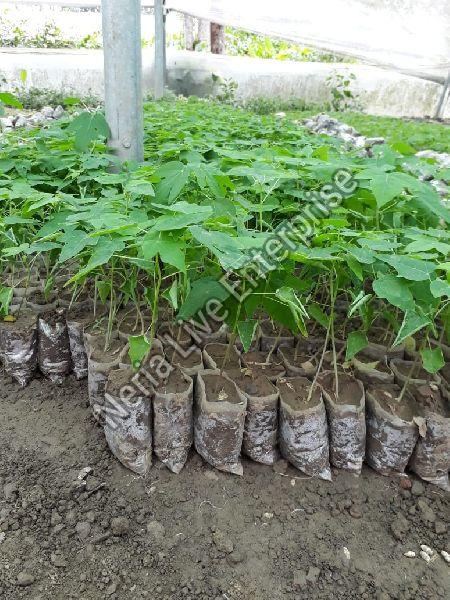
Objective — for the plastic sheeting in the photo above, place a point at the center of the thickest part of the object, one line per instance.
(411, 36)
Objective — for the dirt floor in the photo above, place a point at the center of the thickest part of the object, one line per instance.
(270, 534)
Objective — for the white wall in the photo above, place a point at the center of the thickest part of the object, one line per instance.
(80, 72)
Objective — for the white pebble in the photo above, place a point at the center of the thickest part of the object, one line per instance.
(446, 556)
(346, 552)
(268, 515)
(427, 550)
(410, 554)
(425, 556)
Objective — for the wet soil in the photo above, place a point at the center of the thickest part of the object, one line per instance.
(387, 397)
(257, 362)
(295, 390)
(220, 389)
(349, 390)
(75, 524)
(176, 383)
(250, 383)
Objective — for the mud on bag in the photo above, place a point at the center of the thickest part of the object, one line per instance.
(346, 421)
(100, 363)
(53, 345)
(19, 347)
(431, 456)
(260, 441)
(219, 418)
(303, 427)
(391, 430)
(173, 420)
(77, 321)
(128, 422)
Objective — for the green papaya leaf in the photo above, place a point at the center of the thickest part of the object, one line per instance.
(356, 341)
(138, 350)
(246, 330)
(432, 359)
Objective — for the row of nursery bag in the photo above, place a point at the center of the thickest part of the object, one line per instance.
(256, 407)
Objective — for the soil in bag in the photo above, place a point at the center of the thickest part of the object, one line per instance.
(379, 347)
(431, 456)
(261, 363)
(303, 427)
(221, 356)
(173, 420)
(261, 422)
(133, 323)
(346, 420)
(19, 347)
(297, 362)
(411, 373)
(274, 336)
(174, 336)
(38, 302)
(128, 422)
(101, 362)
(219, 418)
(190, 361)
(206, 330)
(391, 430)
(371, 372)
(53, 345)
(78, 320)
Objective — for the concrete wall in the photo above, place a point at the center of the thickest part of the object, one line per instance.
(80, 72)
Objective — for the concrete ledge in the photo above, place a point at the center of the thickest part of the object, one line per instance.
(80, 72)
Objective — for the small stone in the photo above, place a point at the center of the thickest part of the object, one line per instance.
(313, 574)
(55, 519)
(58, 112)
(111, 589)
(20, 121)
(58, 560)
(155, 531)
(440, 527)
(426, 512)
(410, 554)
(10, 492)
(83, 529)
(417, 488)
(235, 557)
(25, 579)
(300, 579)
(355, 512)
(405, 483)
(48, 112)
(222, 542)
(446, 556)
(399, 527)
(120, 525)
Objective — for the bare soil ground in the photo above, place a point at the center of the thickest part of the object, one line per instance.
(270, 534)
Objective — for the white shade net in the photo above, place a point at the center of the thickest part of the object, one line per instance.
(412, 36)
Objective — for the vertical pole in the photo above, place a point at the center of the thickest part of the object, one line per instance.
(440, 109)
(121, 22)
(160, 49)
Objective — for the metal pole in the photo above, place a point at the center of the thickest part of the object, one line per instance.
(160, 49)
(121, 22)
(440, 108)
